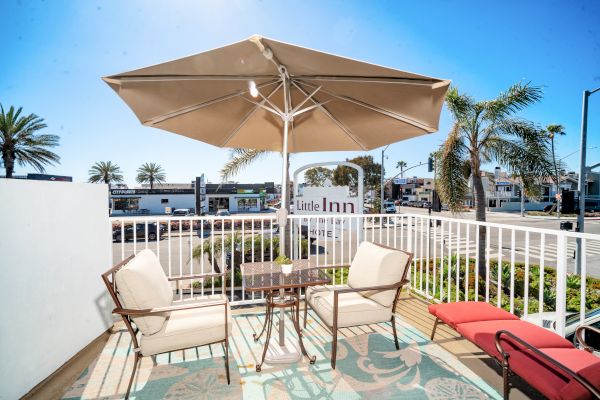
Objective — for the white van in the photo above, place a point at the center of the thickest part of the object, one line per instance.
(181, 212)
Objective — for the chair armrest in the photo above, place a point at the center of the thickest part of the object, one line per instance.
(371, 288)
(544, 357)
(331, 266)
(160, 310)
(195, 276)
(579, 335)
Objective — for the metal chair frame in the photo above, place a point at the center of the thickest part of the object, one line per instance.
(128, 314)
(338, 291)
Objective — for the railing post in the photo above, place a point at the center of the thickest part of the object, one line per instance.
(410, 249)
(561, 282)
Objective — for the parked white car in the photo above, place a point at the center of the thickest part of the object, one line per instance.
(181, 212)
(548, 321)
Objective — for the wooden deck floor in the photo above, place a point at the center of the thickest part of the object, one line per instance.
(411, 309)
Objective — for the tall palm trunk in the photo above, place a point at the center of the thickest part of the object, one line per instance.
(9, 165)
(479, 213)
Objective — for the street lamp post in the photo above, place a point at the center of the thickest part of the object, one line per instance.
(382, 178)
(582, 177)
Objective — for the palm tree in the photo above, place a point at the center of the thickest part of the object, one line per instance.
(105, 172)
(487, 131)
(19, 142)
(151, 173)
(241, 158)
(552, 131)
(401, 165)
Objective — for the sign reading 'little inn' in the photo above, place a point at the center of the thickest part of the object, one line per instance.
(325, 205)
(316, 201)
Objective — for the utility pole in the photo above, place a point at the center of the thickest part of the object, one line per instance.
(382, 178)
(582, 177)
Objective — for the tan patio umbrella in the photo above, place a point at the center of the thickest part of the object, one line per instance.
(263, 94)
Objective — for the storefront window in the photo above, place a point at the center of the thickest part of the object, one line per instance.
(126, 203)
(247, 204)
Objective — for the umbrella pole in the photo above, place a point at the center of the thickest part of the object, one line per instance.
(282, 218)
(284, 190)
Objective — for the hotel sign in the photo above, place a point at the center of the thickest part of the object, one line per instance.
(323, 203)
(329, 201)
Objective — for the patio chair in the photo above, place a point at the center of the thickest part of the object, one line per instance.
(375, 279)
(144, 299)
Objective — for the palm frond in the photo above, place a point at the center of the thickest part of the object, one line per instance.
(240, 158)
(105, 171)
(452, 183)
(516, 98)
(20, 143)
(460, 105)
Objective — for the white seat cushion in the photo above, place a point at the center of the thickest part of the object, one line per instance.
(353, 309)
(375, 265)
(142, 284)
(189, 328)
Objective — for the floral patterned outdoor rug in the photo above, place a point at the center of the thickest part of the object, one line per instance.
(368, 366)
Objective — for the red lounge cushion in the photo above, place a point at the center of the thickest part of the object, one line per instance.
(574, 390)
(432, 308)
(550, 380)
(483, 335)
(462, 312)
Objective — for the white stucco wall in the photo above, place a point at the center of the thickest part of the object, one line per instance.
(54, 244)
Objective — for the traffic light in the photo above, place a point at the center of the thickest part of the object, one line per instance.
(430, 164)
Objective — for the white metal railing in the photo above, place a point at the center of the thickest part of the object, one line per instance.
(523, 269)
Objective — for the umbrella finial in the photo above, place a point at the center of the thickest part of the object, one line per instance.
(257, 40)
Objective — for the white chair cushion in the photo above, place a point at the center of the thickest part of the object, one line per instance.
(353, 309)
(189, 328)
(375, 265)
(142, 284)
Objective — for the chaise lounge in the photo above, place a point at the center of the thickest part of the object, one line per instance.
(547, 361)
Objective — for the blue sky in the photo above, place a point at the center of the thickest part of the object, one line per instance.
(54, 53)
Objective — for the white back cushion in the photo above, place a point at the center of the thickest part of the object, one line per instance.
(142, 284)
(374, 265)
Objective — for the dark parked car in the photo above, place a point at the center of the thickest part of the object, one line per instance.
(140, 232)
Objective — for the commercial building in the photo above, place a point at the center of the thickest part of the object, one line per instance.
(239, 197)
(198, 196)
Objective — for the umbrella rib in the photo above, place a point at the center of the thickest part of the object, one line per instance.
(250, 115)
(159, 78)
(376, 109)
(352, 78)
(198, 106)
(334, 119)
(369, 79)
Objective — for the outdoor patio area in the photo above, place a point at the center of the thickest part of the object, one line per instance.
(368, 366)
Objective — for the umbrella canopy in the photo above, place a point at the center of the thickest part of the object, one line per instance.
(247, 94)
(263, 94)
